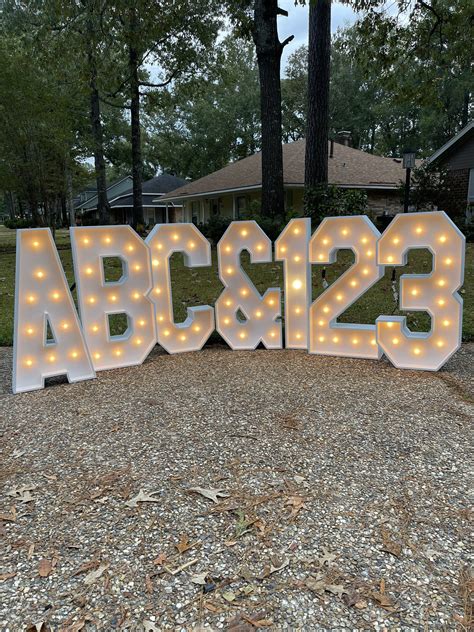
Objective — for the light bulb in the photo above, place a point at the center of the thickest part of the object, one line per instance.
(29, 362)
(321, 323)
(325, 241)
(242, 335)
(244, 233)
(417, 351)
(65, 325)
(446, 322)
(296, 231)
(258, 314)
(74, 354)
(155, 262)
(130, 248)
(229, 270)
(325, 309)
(30, 331)
(364, 240)
(228, 248)
(159, 246)
(118, 352)
(440, 343)
(107, 240)
(40, 274)
(365, 271)
(298, 336)
(418, 230)
(390, 259)
(244, 291)
(282, 248)
(35, 244)
(297, 284)
(441, 282)
(271, 301)
(442, 238)
(339, 297)
(94, 328)
(55, 295)
(97, 356)
(321, 257)
(273, 334)
(389, 325)
(142, 322)
(259, 247)
(91, 300)
(191, 244)
(175, 236)
(414, 292)
(369, 253)
(395, 241)
(136, 295)
(355, 341)
(52, 358)
(157, 290)
(344, 231)
(197, 328)
(297, 310)
(166, 332)
(373, 342)
(335, 339)
(353, 283)
(161, 318)
(321, 338)
(448, 261)
(441, 302)
(297, 258)
(183, 338)
(226, 321)
(85, 241)
(89, 270)
(137, 267)
(138, 341)
(395, 341)
(113, 298)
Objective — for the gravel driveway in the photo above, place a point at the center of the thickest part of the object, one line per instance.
(341, 487)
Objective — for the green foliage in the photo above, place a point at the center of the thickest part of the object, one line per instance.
(215, 228)
(329, 201)
(430, 189)
(18, 223)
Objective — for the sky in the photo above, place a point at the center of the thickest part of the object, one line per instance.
(297, 23)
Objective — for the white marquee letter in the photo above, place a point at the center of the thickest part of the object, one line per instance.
(328, 337)
(164, 240)
(260, 312)
(42, 298)
(435, 293)
(99, 298)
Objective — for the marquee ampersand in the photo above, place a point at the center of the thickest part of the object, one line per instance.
(99, 298)
(163, 241)
(240, 294)
(435, 293)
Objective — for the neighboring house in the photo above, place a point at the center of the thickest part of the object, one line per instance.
(230, 191)
(120, 196)
(457, 157)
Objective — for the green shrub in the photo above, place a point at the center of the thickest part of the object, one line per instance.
(215, 228)
(327, 200)
(18, 223)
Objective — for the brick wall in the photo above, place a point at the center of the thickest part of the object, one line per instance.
(459, 183)
(380, 201)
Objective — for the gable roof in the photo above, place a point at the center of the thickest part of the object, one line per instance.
(348, 167)
(453, 142)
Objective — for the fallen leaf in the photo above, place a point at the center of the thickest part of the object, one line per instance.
(22, 493)
(5, 576)
(389, 545)
(149, 584)
(45, 568)
(297, 504)
(11, 517)
(93, 576)
(229, 596)
(142, 497)
(275, 566)
(184, 544)
(160, 559)
(384, 601)
(199, 578)
(320, 585)
(86, 566)
(212, 493)
(327, 558)
(31, 550)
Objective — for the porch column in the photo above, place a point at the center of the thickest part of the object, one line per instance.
(167, 219)
(234, 210)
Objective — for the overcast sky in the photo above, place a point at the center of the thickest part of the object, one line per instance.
(297, 23)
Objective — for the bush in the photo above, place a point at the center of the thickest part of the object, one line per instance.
(215, 228)
(18, 223)
(327, 200)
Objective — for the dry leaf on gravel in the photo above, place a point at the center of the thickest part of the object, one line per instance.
(22, 493)
(229, 596)
(160, 560)
(320, 585)
(5, 576)
(45, 568)
(86, 566)
(327, 558)
(149, 584)
(389, 545)
(142, 497)
(184, 544)
(199, 578)
(275, 566)
(11, 517)
(93, 576)
(384, 601)
(212, 493)
(297, 504)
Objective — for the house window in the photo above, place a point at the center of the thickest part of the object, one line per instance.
(195, 208)
(470, 189)
(216, 205)
(240, 205)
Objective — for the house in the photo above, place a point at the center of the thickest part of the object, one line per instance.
(120, 196)
(229, 192)
(457, 157)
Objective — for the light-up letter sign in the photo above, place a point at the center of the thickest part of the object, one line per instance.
(163, 241)
(99, 298)
(244, 317)
(291, 247)
(435, 293)
(326, 336)
(44, 303)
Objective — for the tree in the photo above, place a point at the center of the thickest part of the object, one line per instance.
(317, 127)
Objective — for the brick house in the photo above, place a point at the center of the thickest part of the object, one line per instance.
(457, 157)
(230, 191)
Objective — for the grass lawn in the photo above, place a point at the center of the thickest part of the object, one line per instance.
(202, 286)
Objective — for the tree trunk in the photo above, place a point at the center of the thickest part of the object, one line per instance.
(137, 166)
(103, 205)
(69, 198)
(269, 49)
(319, 57)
